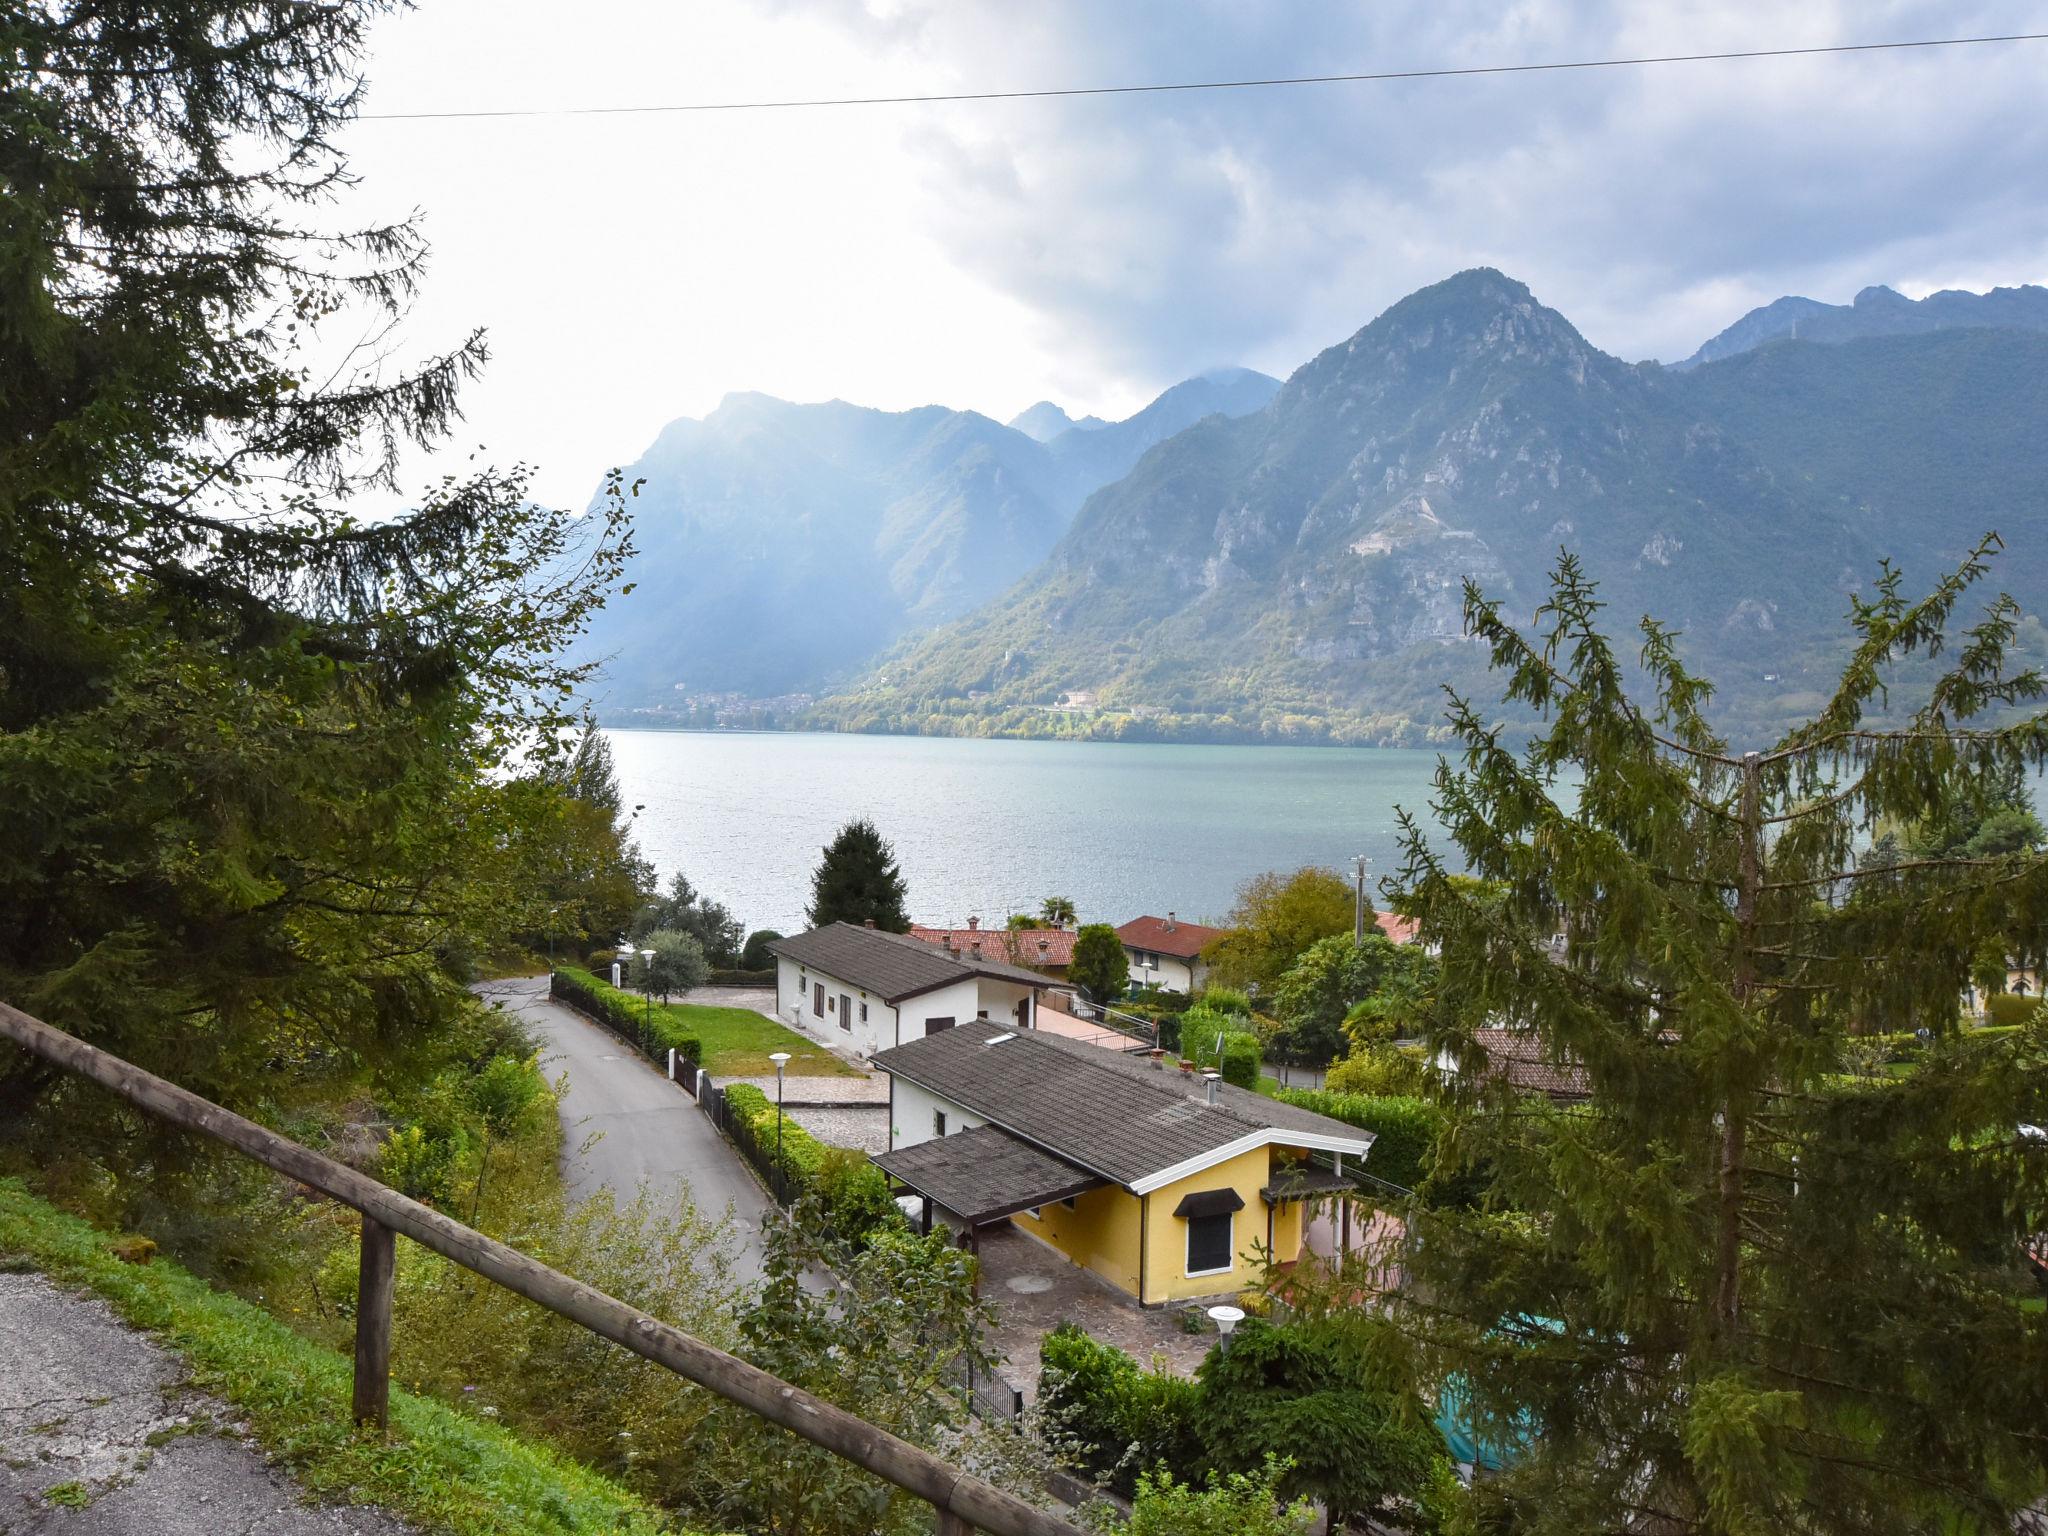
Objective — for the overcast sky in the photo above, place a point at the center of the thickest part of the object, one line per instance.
(632, 269)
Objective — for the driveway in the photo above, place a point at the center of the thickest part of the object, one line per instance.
(646, 1129)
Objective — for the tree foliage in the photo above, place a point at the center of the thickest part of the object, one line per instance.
(583, 869)
(858, 881)
(1099, 967)
(251, 743)
(1320, 991)
(1276, 919)
(683, 909)
(1057, 911)
(677, 963)
(1737, 1292)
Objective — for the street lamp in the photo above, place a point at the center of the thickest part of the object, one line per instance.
(781, 1060)
(647, 992)
(1226, 1319)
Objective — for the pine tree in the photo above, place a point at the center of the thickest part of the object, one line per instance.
(1737, 1291)
(252, 744)
(857, 881)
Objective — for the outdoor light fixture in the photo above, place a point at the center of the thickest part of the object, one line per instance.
(647, 991)
(1226, 1319)
(781, 1060)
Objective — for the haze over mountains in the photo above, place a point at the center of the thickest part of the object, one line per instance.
(1245, 561)
(781, 545)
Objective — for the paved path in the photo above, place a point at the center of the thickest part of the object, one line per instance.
(652, 1132)
(101, 1416)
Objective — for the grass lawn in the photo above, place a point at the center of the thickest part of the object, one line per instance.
(737, 1042)
(442, 1469)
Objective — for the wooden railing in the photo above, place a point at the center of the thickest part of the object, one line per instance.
(963, 1504)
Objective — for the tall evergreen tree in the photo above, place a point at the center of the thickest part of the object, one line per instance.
(857, 881)
(1100, 968)
(252, 806)
(1737, 1292)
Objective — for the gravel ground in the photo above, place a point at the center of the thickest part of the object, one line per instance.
(868, 1090)
(864, 1127)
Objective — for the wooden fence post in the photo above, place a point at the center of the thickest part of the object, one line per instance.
(374, 1273)
(951, 1524)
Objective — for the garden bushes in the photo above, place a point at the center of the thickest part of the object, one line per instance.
(1118, 1419)
(624, 1015)
(2004, 1010)
(1405, 1130)
(853, 1191)
(729, 977)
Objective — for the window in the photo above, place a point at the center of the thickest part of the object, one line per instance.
(818, 999)
(938, 1122)
(1209, 1244)
(863, 1013)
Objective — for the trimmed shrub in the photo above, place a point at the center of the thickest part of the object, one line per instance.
(854, 1192)
(1118, 1419)
(741, 978)
(625, 1016)
(1405, 1129)
(2004, 1010)
(1241, 1060)
(755, 956)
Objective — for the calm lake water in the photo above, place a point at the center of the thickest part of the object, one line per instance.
(988, 827)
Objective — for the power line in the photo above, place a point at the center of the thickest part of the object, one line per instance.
(934, 98)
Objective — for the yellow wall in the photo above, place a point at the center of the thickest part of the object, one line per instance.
(1099, 1233)
(1102, 1231)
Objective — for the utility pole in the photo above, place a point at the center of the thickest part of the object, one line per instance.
(1358, 915)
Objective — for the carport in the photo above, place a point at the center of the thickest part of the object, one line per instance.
(983, 1176)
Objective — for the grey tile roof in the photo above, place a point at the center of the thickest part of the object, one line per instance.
(891, 965)
(985, 1173)
(1115, 1115)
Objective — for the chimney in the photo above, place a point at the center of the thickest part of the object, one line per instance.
(869, 923)
(975, 945)
(1169, 922)
(1044, 948)
(974, 922)
(1210, 1080)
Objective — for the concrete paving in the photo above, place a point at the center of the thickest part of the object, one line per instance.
(626, 1125)
(101, 1435)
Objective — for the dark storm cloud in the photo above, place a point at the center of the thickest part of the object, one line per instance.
(1157, 235)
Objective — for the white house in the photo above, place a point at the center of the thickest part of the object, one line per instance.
(873, 990)
(1166, 952)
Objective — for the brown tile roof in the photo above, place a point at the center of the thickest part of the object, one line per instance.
(1401, 930)
(891, 965)
(1111, 1114)
(982, 1174)
(1182, 940)
(1519, 1057)
(996, 943)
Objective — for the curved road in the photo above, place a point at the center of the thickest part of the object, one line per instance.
(652, 1132)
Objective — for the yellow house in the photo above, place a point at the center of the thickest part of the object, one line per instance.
(1165, 1184)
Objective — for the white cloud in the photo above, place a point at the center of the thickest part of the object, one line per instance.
(635, 268)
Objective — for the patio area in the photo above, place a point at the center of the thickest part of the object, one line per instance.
(1034, 1290)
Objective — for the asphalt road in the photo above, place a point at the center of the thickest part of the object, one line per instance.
(625, 1125)
(106, 1420)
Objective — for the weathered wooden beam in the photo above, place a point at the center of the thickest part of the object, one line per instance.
(894, 1460)
(952, 1525)
(375, 1267)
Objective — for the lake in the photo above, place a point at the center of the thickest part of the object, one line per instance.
(989, 827)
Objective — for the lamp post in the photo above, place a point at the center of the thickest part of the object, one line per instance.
(1226, 1319)
(781, 1060)
(647, 993)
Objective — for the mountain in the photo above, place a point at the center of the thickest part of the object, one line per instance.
(782, 544)
(1045, 421)
(1877, 312)
(1296, 573)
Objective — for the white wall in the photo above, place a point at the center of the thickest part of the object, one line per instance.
(1174, 974)
(793, 984)
(911, 1119)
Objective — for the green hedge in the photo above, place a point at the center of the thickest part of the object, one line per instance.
(2006, 1009)
(1117, 1418)
(624, 1015)
(854, 1192)
(741, 978)
(1241, 1060)
(1405, 1130)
